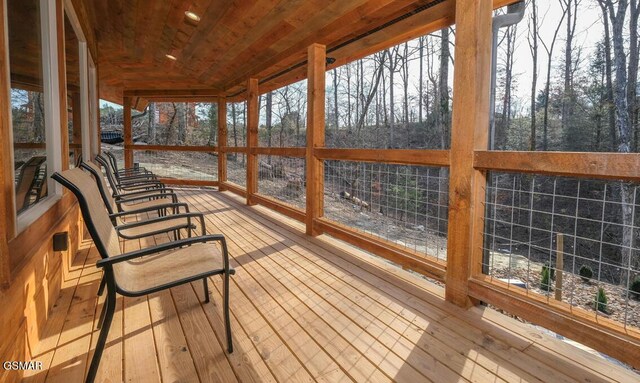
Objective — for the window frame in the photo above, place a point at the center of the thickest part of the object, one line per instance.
(83, 63)
(52, 118)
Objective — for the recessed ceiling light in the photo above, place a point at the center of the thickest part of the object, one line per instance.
(171, 57)
(192, 16)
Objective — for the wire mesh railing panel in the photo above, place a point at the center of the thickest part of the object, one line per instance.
(237, 168)
(283, 178)
(406, 205)
(568, 239)
(179, 164)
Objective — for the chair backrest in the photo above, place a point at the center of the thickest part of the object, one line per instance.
(26, 181)
(93, 211)
(101, 183)
(110, 176)
(113, 160)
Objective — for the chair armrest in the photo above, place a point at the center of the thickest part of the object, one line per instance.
(145, 186)
(130, 170)
(143, 192)
(173, 196)
(129, 176)
(169, 246)
(136, 181)
(188, 216)
(133, 171)
(174, 206)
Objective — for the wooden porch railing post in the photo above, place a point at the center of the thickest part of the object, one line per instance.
(252, 139)
(469, 131)
(128, 138)
(316, 69)
(222, 143)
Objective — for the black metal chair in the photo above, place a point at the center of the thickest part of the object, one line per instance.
(159, 199)
(113, 161)
(147, 270)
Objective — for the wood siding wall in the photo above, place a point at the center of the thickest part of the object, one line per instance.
(31, 273)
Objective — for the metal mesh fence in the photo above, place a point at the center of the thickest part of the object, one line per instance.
(179, 165)
(406, 205)
(237, 168)
(568, 239)
(283, 178)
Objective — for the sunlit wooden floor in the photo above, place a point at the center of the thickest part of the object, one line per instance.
(303, 309)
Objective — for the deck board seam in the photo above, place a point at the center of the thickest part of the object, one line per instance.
(450, 313)
(389, 311)
(278, 279)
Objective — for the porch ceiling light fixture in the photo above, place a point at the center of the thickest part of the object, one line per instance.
(192, 16)
(171, 57)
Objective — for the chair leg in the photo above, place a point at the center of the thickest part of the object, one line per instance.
(103, 313)
(206, 290)
(110, 308)
(103, 283)
(227, 321)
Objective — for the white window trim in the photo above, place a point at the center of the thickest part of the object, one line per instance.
(93, 109)
(70, 12)
(51, 85)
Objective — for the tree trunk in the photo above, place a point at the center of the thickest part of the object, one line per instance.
(632, 96)
(335, 98)
(609, 75)
(268, 119)
(443, 91)
(392, 69)
(182, 124)
(568, 95)
(151, 133)
(420, 78)
(533, 46)
(617, 18)
(549, 50)
(213, 124)
(234, 123)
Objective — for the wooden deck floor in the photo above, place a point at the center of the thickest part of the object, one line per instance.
(303, 309)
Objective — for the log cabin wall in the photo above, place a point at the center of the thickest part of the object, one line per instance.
(32, 274)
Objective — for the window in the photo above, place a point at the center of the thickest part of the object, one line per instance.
(74, 94)
(31, 32)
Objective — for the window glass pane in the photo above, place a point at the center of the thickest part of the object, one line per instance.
(27, 102)
(72, 57)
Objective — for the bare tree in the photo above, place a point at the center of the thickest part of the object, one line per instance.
(532, 37)
(617, 14)
(151, 129)
(549, 49)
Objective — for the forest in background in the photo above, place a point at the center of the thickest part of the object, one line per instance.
(567, 80)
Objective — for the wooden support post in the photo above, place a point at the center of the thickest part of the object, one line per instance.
(559, 265)
(252, 139)
(316, 68)
(7, 201)
(128, 138)
(222, 143)
(469, 131)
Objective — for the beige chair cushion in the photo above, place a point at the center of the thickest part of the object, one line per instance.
(154, 227)
(162, 268)
(97, 212)
(102, 181)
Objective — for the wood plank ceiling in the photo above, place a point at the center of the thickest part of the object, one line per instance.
(238, 39)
